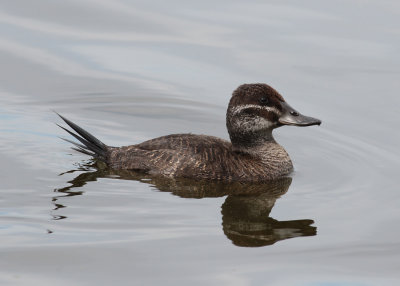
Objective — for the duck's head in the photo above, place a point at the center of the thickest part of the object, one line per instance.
(255, 110)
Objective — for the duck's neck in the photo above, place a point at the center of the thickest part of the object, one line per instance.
(265, 148)
(248, 143)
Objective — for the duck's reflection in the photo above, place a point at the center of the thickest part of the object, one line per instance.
(245, 212)
(246, 221)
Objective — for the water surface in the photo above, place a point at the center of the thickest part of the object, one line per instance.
(128, 71)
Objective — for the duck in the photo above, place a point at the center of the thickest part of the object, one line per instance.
(251, 155)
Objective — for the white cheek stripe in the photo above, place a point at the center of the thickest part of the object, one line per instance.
(240, 108)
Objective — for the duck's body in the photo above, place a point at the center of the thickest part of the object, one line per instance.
(202, 157)
(253, 112)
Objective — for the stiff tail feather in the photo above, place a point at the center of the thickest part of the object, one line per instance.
(90, 145)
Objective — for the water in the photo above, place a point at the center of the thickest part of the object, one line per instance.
(129, 71)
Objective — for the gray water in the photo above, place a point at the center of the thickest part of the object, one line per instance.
(128, 71)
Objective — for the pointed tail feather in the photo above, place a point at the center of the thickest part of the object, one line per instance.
(90, 144)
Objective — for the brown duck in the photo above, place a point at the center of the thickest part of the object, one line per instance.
(254, 111)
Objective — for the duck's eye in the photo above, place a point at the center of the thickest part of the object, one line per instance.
(264, 100)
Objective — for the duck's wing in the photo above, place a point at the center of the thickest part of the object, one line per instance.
(173, 155)
(186, 143)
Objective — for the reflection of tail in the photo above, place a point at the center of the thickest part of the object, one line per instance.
(90, 144)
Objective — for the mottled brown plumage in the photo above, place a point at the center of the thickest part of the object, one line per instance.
(252, 155)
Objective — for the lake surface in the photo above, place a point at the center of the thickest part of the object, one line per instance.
(128, 71)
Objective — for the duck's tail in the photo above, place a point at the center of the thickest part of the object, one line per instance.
(90, 144)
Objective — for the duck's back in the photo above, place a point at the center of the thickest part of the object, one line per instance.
(178, 155)
(196, 144)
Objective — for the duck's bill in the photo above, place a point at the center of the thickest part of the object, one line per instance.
(292, 117)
